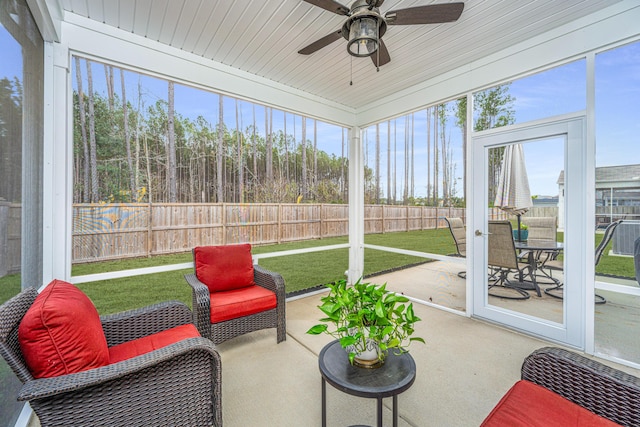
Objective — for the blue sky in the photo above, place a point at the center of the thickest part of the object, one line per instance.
(557, 91)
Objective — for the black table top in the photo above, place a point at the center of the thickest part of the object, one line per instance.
(396, 375)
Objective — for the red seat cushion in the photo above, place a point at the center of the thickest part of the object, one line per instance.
(61, 333)
(529, 405)
(134, 348)
(223, 268)
(241, 302)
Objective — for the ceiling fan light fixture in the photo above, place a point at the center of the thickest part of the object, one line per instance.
(363, 36)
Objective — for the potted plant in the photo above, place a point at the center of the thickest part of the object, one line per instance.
(365, 317)
(522, 234)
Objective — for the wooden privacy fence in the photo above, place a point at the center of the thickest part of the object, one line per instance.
(114, 231)
(10, 237)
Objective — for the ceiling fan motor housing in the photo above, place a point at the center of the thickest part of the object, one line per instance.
(363, 29)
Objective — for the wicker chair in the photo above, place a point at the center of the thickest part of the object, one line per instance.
(224, 330)
(179, 384)
(503, 261)
(601, 389)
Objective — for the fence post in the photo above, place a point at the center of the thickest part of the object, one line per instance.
(4, 233)
(384, 219)
(279, 223)
(149, 229)
(224, 223)
(321, 221)
(406, 209)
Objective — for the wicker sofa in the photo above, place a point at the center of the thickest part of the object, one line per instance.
(594, 394)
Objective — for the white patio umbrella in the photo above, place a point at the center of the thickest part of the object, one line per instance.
(513, 193)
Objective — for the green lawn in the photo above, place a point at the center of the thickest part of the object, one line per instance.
(299, 271)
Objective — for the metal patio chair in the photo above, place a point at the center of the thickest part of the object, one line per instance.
(558, 265)
(507, 271)
(459, 234)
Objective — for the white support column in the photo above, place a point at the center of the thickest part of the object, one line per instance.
(356, 206)
(589, 176)
(58, 156)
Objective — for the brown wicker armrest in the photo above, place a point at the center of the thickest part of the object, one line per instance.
(179, 384)
(138, 323)
(201, 305)
(601, 389)
(268, 279)
(274, 282)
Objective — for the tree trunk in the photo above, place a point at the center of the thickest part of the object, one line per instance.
(171, 148)
(93, 155)
(405, 191)
(435, 156)
(286, 150)
(377, 196)
(86, 185)
(108, 73)
(220, 151)
(269, 150)
(388, 162)
(343, 186)
(127, 140)
(395, 161)
(315, 156)
(413, 186)
(254, 144)
(303, 148)
(240, 163)
(428, 111)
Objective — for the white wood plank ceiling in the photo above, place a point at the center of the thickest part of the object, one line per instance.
(262, 37)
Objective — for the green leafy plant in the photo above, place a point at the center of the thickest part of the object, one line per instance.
(364, 312)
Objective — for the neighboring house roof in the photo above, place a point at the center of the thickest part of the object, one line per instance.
(623, 173)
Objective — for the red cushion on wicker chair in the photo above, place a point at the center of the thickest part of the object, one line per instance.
(223, 268)
(241, 302)
(143, 345)
(61, 333)
(529, 405)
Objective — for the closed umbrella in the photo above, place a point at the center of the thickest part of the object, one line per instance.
(513, 195)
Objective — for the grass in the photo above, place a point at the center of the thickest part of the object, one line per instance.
(300, 272)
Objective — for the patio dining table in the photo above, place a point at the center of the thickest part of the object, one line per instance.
(535, 249)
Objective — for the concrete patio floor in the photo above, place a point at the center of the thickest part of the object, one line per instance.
(462, 371)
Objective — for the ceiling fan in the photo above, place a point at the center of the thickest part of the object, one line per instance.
(365, 26)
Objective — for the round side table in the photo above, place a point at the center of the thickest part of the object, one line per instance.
(396, 375)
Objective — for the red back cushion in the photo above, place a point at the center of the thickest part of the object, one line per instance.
(61, 333)
(223, 268)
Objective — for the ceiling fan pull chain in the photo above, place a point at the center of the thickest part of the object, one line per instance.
(378, 49)
(351, 72)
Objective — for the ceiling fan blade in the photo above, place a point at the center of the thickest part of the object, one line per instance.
(430, 14)
(331, 6)
(383, 54)
(319, 44)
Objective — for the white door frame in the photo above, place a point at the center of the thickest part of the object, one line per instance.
(578, 285)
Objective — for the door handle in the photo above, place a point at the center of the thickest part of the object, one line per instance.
(480, 233)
